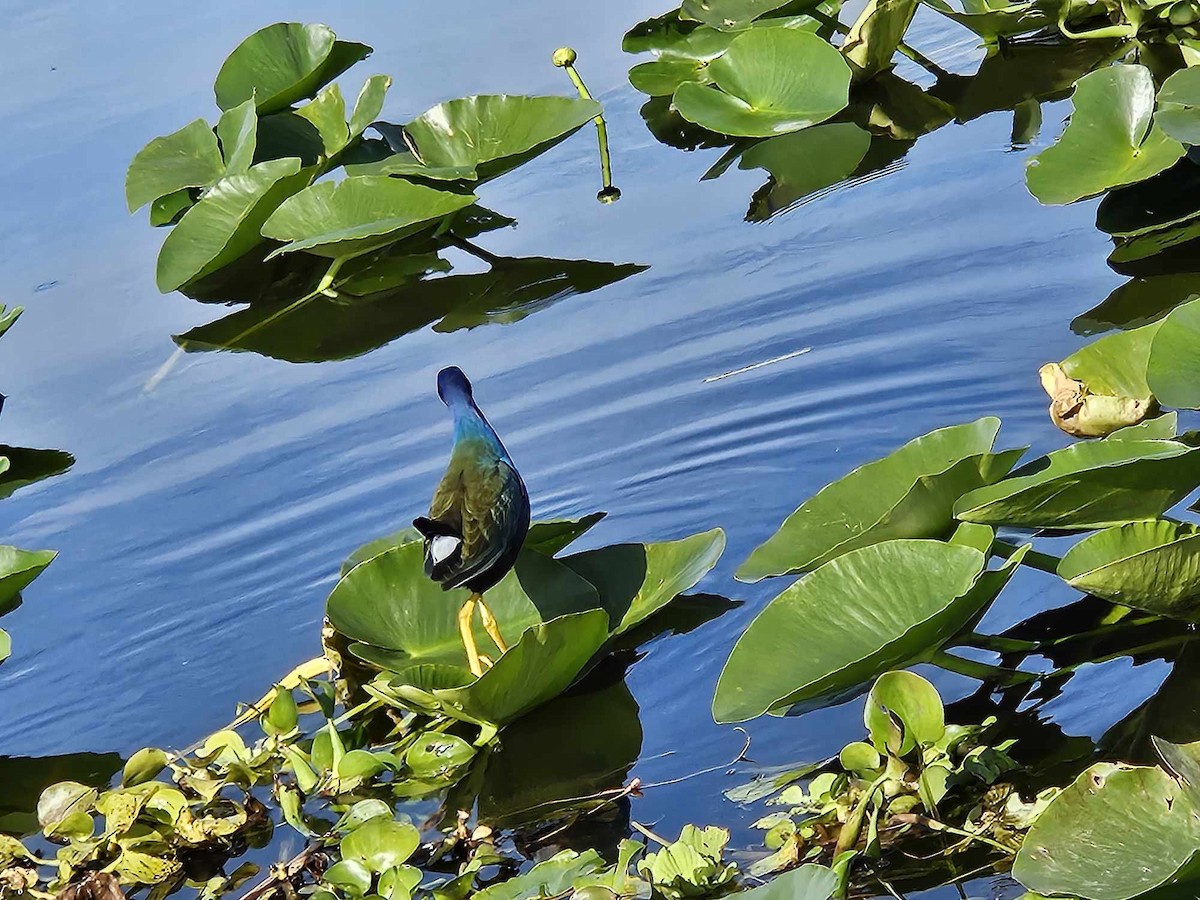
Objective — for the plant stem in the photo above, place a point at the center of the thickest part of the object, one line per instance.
(997, 644)
(915, 55)
(608, 193)
(1043, 562)
(467, 247)
(978, 670)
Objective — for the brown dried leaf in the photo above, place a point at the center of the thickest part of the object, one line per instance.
(96, 886)
(1081, 413)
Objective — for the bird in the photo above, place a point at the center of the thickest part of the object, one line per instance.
(479, 514)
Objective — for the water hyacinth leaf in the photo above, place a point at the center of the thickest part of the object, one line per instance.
(771, 81)
(226, 222)
(493, 133)
(1109, 142)
(434, 755)
(876, 33)
(237, 130)
(873, 609)
(1179, 106)
(63, 800)
(283, 63)
(353, 216)
(637, 580)
(143, 766)
(380, 843)
(908, 494)
(728, 15)
(809, 882)
(390, 603)
(552, 535)
(803, 163)
(1173, 366)
(349, 875)
(549, 878)
(903, 711)
(1082, 843)
(186, 158)
(1088, 485)
(1152, 565)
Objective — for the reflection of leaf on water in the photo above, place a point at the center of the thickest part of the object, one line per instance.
(672, 129)
(23, 778)
(803, 163)
(1173, 713)
(1165, 201)
(1138, 302)
(327, 328)
(25, 466)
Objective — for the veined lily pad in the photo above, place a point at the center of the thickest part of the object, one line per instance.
(637, 580)
(1173, 366)
(283, 63)
(1152, 565)
(388, 602)
(728, 15)
(225, 223)
(187, 158)
(1088, 485)
(481, 137)
(908, 494)
(873, 609)
(771, 81)
(1109, 142)
(1116, 833)
(1179, 106)
(353, 216)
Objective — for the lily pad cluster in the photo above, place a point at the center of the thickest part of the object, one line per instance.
(557, 613)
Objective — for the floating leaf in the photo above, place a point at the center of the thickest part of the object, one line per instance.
(327, 113)
(380, 843)
(551, 535)
(226, 222)
(1109, 142)
(549, 878)
(691, 866)
(143, 766)
(771, 81)
(434, 755)
(283, 63)
(1179, 106)
(1173, 364)
(907, 494)
(187, 158)
(808, 882)
(1152, 565)
(728, 15)
(661, 77)
(369, 103)
(1083, 843)
(903, 711)
(18, 568)
(1088, 485)
(1114, 365)
(1081, 413)
(350, 217)
(870, 610)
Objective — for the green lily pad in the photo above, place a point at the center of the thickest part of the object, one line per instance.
(1179, 106)
(552, 535)
(1115, 365)
(226, 222)
(808, 882)
(1088, 485)
(907, 494)
(186, 158)
(1160, 428)
(1109, 142)
(482, 137)
(770, 81)
(283, 63)
(661, 77)
(728, 15)
(389, 602)
(1115, 833)
(637, 580)
(237, 130)
(357, 214)
(803, 163)
(1152, 565)
(870, 610)
(550, 878)
(18, 568)
(1173, 364)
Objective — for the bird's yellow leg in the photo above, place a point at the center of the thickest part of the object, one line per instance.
(465, 617)
(489, 624)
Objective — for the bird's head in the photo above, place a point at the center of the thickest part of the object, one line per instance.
(452, 385)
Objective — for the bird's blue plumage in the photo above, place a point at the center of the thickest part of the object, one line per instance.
(481, 500)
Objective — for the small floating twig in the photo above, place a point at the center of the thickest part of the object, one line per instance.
(758, 365)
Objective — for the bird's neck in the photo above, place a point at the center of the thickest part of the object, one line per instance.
(471, 427)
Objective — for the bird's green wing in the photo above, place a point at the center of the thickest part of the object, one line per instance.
(482, 502)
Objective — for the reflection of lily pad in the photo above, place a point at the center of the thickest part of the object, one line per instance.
(770, 81)
(1109, 142)
(1152, 565)
(872, 609)
(1088, 485)
(27, 466)
(803, 163)
(1138, 302)
(907, 494)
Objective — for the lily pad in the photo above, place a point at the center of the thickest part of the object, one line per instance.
(1152, 565)
(870, 610)
(549, 536)
(389, 602)
(1083, 843)
(808, 882)
(237, 130)
(226, 222)
(350, 217)
(770, 81)
(1115, 365)
(1179, 106)
(661, 77)
(482, 137)
(187, 158)
(908, 494)
(637, 580)
(283, 63)
(1109, 142)
(18, 569)
(1088, 485)
(1173, 366)
(728, 15)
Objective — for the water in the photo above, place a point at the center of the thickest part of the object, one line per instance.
(203, 523)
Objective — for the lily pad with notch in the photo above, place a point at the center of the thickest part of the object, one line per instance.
(186, 158)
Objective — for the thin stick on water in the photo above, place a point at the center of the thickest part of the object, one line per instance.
(758, 365)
